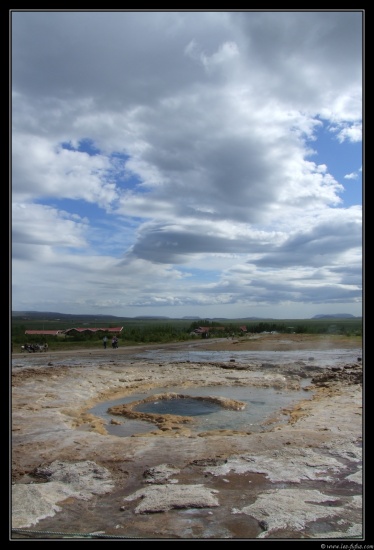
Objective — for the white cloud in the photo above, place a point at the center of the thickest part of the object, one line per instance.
(203, 189)
(348, 132)
(351, 176)
(38, 225)
(42, 169)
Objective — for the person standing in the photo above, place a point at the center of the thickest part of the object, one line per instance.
(105, 339)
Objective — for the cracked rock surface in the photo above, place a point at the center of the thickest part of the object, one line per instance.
(300, 479)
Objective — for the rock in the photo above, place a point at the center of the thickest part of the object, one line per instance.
(160, 498)
(160, 474)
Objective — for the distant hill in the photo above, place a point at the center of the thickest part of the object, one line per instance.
(148, 317)
(53, 315)
(259, 319)
(191, 317)
(102, 318)
(335, 316)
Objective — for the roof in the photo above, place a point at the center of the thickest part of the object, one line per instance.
(202, 329)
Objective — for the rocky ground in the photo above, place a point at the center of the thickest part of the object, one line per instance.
(301, 479)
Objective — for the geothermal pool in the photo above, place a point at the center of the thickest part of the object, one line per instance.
(263, 409)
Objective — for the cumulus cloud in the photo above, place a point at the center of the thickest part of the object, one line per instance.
(176, 152)
(351, 176)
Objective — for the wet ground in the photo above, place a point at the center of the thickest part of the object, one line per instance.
(299, 476)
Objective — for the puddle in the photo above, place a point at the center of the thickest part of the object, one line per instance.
(263, 409)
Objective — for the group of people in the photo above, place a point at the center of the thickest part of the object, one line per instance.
(32, 348)
(114, 342)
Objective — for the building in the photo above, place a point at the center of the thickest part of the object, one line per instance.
(205, 331)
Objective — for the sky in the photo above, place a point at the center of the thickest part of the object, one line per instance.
(187, 163)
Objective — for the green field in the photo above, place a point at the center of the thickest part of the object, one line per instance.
(163, 330)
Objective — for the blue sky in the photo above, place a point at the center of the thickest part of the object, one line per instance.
(187, 163)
